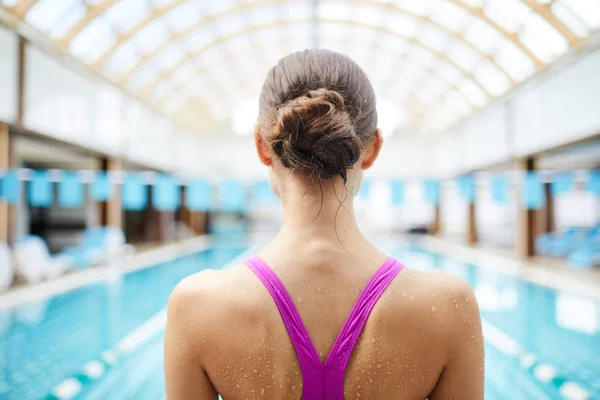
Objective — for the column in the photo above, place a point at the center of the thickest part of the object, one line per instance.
(6, 211)
(436, 227)
(548, 214)
(526, 219)
(472, 237)
(114, 210)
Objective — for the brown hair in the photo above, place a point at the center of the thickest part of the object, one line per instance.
(317, 111)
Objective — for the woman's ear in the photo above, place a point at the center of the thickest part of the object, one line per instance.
(262, 148)
(371, 153)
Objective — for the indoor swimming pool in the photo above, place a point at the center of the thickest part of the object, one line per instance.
(88, 344)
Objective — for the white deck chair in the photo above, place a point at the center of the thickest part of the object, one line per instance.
(7, 269)
(116, 245)
(34, 262)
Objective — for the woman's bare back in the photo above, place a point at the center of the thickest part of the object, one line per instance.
(422, 339)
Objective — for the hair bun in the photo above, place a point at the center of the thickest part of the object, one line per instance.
(315, 134)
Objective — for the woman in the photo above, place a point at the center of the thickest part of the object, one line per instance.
(321, 313)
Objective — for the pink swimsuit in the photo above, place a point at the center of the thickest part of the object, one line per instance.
(325, 381)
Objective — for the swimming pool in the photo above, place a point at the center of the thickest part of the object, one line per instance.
(540, 343)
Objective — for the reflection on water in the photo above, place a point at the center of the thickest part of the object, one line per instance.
(577, 313)
(32, 313)
(494, 298)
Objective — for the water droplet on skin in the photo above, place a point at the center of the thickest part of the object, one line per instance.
(412, 297)
(404, 294)
(246, 293)
(456, 306)
(433, 308)
(299, 300)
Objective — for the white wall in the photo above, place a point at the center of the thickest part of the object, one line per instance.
(560, 109)
(82, 109)
(8, 75)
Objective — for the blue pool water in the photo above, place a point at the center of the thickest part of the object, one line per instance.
(538, 341)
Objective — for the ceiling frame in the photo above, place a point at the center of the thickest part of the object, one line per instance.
(409, 96)
(248, 29)
(429, 70)
(244, 7)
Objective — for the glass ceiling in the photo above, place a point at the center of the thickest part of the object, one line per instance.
(436, 61)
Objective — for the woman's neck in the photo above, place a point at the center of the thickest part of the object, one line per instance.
(318, 211)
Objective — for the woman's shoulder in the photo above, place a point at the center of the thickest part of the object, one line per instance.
(211, 285)
(441, 296)
(436, 284)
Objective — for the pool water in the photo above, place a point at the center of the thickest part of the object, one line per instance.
(41, 344)
(540, 343)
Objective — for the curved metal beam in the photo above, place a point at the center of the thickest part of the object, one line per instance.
(246, 30)
(92, 12)
(545, 11)
(510, 36)
(244, 7)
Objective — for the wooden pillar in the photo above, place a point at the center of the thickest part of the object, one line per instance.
(114, 210)
(102, 166)
(549, 210)
(526, 219)
(436, 227)
(6, 211)
(472, 237)
(21, 80)
(166, 221)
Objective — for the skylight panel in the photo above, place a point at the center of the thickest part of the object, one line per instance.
(122, 60)
(450, 16)
(144, 76)
(510, 14)
(572, 21)
(404, 26)
(169, 57)
(73, 15)
(514, 61)
(46, 13)
(152, 36)
(496, 82)
(587, 10)
(543, 40)
(464, 56)
(93, 41)
(434, 38)
(449, 72)
(475, 95)
(431, 89)
(197, 40)
(125, 14)
(183, 16)
(336, 10)
(482, 35)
